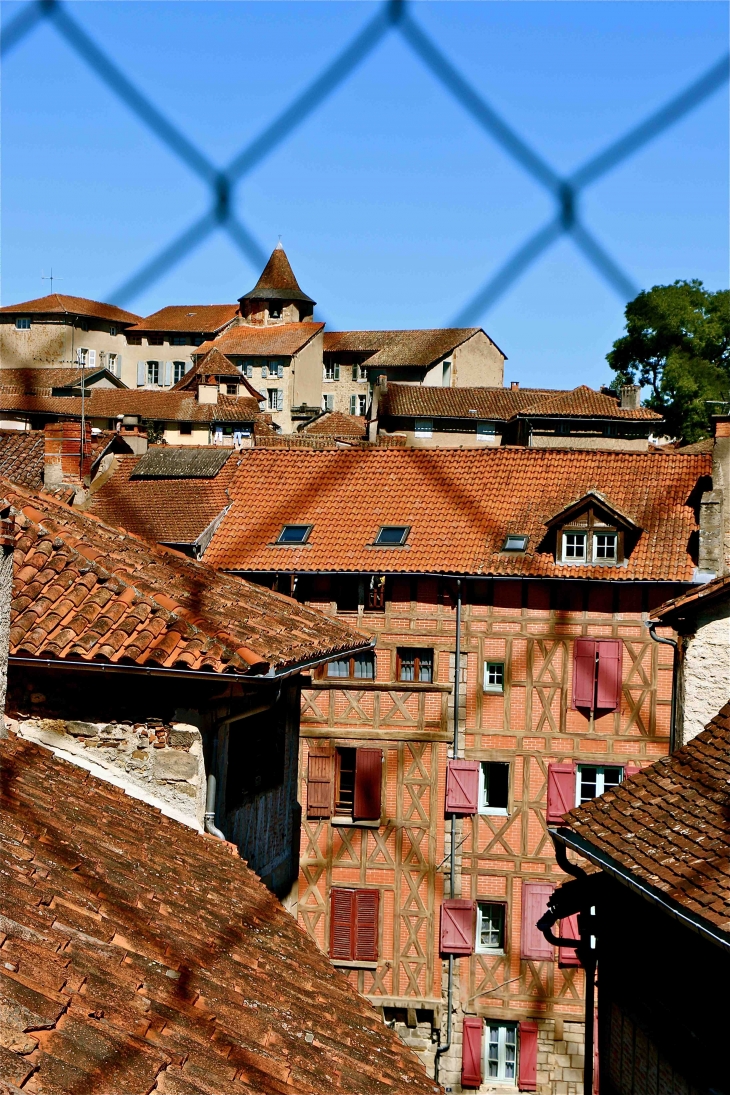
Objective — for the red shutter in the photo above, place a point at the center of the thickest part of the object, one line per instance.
(610, 661)
(584, 672)
(631, 770)
(368, 781)
(533, 944)
(462, 787)
(319, 782)
(342, 915)
(528, 1057)
(568, 956)
(457, 926)
(471, 1052)
(560, 791)
(366, 925)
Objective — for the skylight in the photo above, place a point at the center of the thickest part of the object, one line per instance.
(515, 543)
(392, 535)
(294, 534)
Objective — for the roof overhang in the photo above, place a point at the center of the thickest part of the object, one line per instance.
(263, 294)
(650, 893)
(596, 498)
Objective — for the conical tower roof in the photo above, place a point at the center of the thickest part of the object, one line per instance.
(277, 282)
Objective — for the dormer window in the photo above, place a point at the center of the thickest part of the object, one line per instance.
(592, 531)
(605, 547)
(392, 535)
(574, 547)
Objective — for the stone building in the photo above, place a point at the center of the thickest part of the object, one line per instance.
(534, 571)
(60, 330)
(162, 347)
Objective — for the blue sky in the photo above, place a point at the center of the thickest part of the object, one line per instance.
(393, 205)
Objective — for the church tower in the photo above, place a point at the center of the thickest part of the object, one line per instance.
(276, 298)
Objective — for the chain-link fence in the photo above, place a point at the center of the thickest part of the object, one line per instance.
(392, 17)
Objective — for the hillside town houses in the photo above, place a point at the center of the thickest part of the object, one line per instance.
(424, 650)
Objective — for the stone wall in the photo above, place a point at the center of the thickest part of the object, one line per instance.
(705, 674)
(158, 762)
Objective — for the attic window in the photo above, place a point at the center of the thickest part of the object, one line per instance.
(392, 535)
(515, 543)
(294, 534)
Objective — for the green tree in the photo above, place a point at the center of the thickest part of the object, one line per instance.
(677, 343)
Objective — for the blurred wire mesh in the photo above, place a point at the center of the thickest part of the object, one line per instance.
(392, 17)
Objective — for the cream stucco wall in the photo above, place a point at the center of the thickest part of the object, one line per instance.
(705, 678)
(477, 363)
(306, 383)
(586, 441)
(448, 440)
(57, 344)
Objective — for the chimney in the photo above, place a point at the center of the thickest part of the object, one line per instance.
(7, 542)
(630, 397)
(207, 393)
(514, 385)
(721, 484)
(62, 457)
(380, 390)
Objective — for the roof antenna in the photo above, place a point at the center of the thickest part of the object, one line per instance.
(51, 278)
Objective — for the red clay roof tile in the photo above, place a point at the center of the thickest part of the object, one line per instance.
(669, 824)
(418, 348)
(22, 456)
(459, 504)
(278, 340)
(56, 303)
(156, 405)
(200, 318)
(84, 590)
(145, 956)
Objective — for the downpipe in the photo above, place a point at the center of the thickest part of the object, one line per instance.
(452, 854)
(209, 816)
(675, 668)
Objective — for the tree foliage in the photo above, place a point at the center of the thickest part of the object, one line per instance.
(677, 343)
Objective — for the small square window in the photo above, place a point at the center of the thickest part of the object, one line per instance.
(514, 542)
(493, 787)
(186, 427)
(232, 389)
(604, 547)
(180, 340)
(112, 330)
(593, 780)
(424, 427)
(574, 546)
(22, 324)
(392, 535)
(294, 534)
(358, 667)
(490, 928)
(494, 676)
(415, 665)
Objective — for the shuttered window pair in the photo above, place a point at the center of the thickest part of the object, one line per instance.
(344, 783)
(354, 925)
(597, 674)
(499, 1051)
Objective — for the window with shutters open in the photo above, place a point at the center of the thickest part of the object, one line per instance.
(494, 787)
(462, 787)
(500, 1051)
(597, 674)
(344, 784)
(354, 925)
(594, 779)
(568, 929)
(471, 1051)
(560, 791)
(527, 1075)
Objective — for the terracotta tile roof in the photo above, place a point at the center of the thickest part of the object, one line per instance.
(59, 303)
(43, 380)
(147, 957)
(277, 281)
(214, 363)
(160, 406)
(399, 348)
(420, 400)
(22, 456)
(280, 340)
(200, 318)
(584, 402)
(335, 424)
(698, 446)
(87, 591)
(166, 511)
(669, 824)
(694, 599)
(460, 505)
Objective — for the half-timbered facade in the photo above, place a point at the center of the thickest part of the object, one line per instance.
(550, 562)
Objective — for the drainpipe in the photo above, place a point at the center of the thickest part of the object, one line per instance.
(452, 854)
(210, 809)
(675, 668)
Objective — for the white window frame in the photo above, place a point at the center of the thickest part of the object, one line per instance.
(277, 402)
(486, 686)
(152, 368)
(82, 356)
(328, 402)
(494, 811)
(331, 372)
(446, 374)
(22, 323)
(423, 427)
(479, 947)
(502, 1029)
(600, 780)
(112, 330)
(609, 559)
(178, 371)
(362, 409)
(574, 558)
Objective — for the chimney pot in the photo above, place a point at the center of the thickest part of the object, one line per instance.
(514, 385)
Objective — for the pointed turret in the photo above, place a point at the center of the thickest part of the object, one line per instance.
(276, 296)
